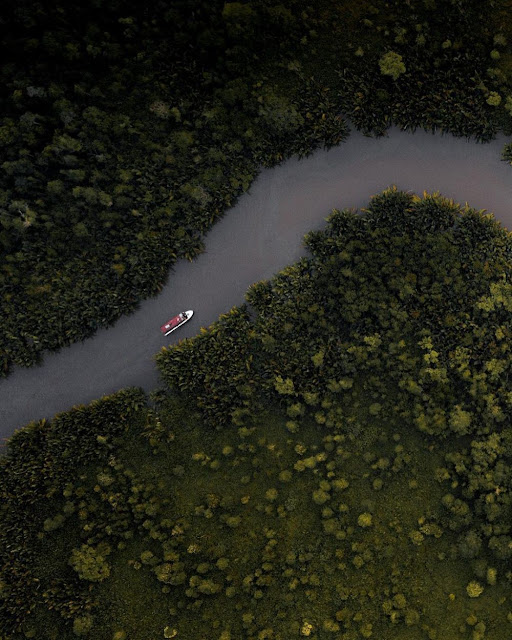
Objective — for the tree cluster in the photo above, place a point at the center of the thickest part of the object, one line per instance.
(128, 130)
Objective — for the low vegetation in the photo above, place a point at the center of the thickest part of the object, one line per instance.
(331, 459)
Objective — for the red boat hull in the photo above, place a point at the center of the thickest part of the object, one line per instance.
(176, 321)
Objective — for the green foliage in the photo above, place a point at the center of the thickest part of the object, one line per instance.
(474, 589)
(494, 99)
(284, 387)
(470, 544)
(320, 496)
(134, 178)
(216, 380)
(365, 520)
(263, 515)
(171, 573)
(437, 47)
(90, 562)
(131, 173)
(318, 358)
(36, 469)
(82, 625)
(375, 408)
(391, 64)
(50, 524)
(460, 420)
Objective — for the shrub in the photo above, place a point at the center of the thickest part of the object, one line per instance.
(50, 524)
(330, 625)
(233, 521)
(469, 544)
(82, 625)
(474, 589)
(285, 475)
(284, 387)
(295, 410)
(320, 496)
(375, 408)
(147, 557)
(494, 99)
(339, 484)
(365, 520)
(391, 64)
(90, 563)
(208, 587)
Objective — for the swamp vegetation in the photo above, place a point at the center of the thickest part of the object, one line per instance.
(331, 459)
(127, 129)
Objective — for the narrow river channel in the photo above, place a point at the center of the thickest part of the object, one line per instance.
(256, 238)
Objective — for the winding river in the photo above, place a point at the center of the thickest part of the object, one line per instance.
(256, 238)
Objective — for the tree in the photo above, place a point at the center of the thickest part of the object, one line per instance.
(469, 544)
(391, 64)
(82, 625)
(284, 386)
(89, 562)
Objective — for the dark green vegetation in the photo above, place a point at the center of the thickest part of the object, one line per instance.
(336, 464)
(128, 127)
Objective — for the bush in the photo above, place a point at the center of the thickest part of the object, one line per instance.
(82, 625)
(365, 520)
(474, 589)
(391, 64)
(90, 562)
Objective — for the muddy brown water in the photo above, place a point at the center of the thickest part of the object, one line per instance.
(261, 234)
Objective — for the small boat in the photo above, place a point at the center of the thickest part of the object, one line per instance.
(176, 322)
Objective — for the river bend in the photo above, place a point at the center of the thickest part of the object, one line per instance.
(261, 234)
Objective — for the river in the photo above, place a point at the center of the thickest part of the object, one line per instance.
(261, 234)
